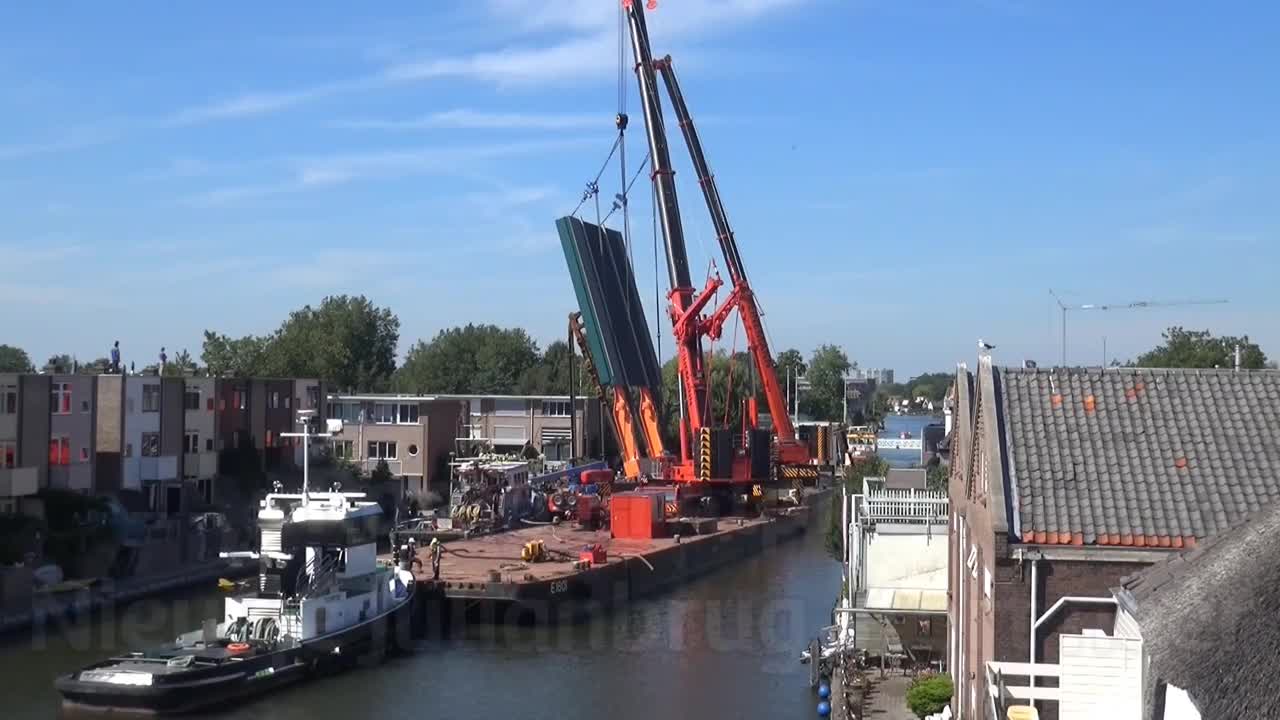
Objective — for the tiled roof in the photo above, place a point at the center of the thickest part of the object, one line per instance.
(1141, 457)
(1207, 618)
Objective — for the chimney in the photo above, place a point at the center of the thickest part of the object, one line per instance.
(1237, 353)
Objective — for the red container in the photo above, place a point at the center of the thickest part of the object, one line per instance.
(637, 516)
(593, 554)
(596, 477)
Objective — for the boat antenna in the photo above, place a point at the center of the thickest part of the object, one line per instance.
(304, 419)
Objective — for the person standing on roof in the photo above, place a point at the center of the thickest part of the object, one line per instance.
(163, 359)
(115, 358)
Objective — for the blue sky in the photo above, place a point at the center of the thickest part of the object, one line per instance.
(903, 177)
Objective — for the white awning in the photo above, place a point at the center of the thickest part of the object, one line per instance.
(889, 600)
(555, 434)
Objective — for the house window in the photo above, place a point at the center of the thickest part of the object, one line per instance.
(413, 450)
(60, 398)
(191, 399)
(270, 440)
(191, 443)
(238, 399)
(555, 408)
(209, 404)
(128, 449)
(60, 450)
(150, 398)
(208, 444)
(205, 488)
(8, 454)
(313, 397)
(84, 454)
(275, 400)
(150, 444)
(409, 414)
(8, 399)
(382, 450)
(384, 413)
(84, 406)
(340, 449)
(509, 407)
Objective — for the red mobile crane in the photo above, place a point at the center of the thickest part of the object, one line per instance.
(686, 307)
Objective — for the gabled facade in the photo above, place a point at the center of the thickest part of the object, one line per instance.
(1065, 481)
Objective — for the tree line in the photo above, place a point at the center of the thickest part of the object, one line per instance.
(351, 343)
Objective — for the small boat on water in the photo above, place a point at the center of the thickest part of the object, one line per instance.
(905, 435)
(322, 601)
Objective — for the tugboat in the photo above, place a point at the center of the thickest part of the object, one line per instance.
(322, 601)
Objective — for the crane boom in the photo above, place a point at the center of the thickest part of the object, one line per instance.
(683, 309)
(742, 295)
(686, 305)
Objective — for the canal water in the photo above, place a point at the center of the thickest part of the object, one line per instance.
(725, 645)
(894, 426)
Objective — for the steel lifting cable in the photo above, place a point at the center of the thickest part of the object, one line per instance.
(635, 176)
(593, 187)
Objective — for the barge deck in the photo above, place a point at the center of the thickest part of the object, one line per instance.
(485, 579)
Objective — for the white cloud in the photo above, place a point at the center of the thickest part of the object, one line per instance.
(78, 139)
(18, 259)
(467, 119)
(586, 54)
(331, 170)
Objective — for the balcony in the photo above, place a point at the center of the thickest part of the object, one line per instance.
(17, 482)
(158, 468)
(200, 465)
(78, 476)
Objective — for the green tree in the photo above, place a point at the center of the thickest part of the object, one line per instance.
(550, 376)
(97, 367)
(60, 364)
(482, 359)
(871, 466)
(15, 360)
(1200, 349)
(929, 694)
(181, 365)
(936, 477)
(729, 382)
(381, 474)
(248, 356)
(824, 400)
(790, 363)
(347, 341)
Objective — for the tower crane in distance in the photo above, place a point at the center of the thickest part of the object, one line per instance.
(1135, 305)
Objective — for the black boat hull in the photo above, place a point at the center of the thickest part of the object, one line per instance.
(232, 682)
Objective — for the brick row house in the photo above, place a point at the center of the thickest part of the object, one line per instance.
(162, 437)
(1065, 481)
(415, 434)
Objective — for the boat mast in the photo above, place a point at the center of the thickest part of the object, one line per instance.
(304, 419)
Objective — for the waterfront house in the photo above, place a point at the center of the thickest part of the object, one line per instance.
(1206, 622)
(1063, 482)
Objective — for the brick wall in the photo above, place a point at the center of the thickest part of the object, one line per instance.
(1057, 578)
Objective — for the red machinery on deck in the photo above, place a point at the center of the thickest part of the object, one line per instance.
(712, 459)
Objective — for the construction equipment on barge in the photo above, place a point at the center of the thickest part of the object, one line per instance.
(730, 464)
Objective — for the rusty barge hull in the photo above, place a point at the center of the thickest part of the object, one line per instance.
(484, 580)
